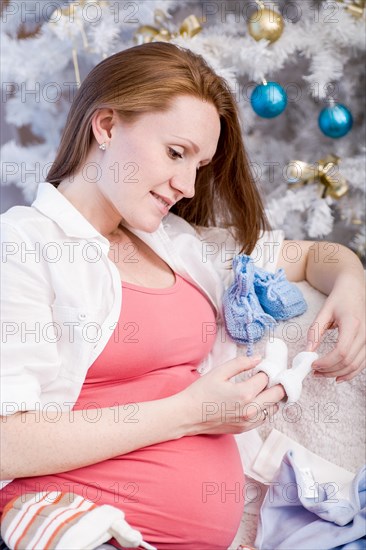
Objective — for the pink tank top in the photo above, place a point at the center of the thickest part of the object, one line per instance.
(186, 493)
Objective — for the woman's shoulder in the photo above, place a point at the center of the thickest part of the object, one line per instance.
(25, 222)
(16, 214)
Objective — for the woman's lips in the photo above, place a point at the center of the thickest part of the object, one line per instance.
(163, 203)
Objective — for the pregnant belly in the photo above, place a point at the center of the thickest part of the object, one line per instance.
(182, 494)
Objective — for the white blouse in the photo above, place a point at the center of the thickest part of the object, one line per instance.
(61, 294)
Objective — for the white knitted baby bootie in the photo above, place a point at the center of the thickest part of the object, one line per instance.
(291, 379)
(275, 360)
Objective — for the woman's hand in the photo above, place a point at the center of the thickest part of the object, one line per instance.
(345, 309)
(336, 271)
(215, 404)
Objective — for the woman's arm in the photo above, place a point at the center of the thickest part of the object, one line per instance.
(336, 271)
(32, 444)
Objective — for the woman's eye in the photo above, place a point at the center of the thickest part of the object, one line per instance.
(174, 154)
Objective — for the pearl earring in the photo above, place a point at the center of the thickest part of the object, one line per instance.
(103, 146)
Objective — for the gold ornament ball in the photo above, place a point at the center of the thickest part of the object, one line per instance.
(266, 23)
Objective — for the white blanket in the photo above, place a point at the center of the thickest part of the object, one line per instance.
(329, 418)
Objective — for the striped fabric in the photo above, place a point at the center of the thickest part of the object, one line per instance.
(64, 521)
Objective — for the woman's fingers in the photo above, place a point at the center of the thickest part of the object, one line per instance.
(358, 364)
(274, 394)
(352, 375)
(253, 386)
(234, 407)
(236, 366)
(265, 400)
(344, 359)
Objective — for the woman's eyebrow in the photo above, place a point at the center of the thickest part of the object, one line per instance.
(194, 145)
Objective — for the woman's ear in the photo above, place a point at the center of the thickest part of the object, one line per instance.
(102, 122)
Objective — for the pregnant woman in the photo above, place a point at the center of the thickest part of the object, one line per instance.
(124, 391)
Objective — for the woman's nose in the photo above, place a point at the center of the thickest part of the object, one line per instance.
(184, 181)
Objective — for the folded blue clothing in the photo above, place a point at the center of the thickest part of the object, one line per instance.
(277, 296)
(315, 520)
(244, 317)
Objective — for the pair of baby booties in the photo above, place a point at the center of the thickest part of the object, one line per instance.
(258, 299)
(274, 365)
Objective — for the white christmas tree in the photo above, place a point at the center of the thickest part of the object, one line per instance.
(316, 54)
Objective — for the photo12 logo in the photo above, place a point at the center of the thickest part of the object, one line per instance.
(91, 12)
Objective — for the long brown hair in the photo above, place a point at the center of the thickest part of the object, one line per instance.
(147, 78)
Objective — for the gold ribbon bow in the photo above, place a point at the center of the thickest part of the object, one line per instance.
(190, 26)
(325, 172)
(355, 7)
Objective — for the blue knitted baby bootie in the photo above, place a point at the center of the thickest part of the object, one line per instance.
(244, 317)
(277, 296)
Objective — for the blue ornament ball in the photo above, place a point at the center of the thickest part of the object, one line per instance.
(335, 121)
(268, 100)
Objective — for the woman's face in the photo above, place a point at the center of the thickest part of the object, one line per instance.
(151, 164)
